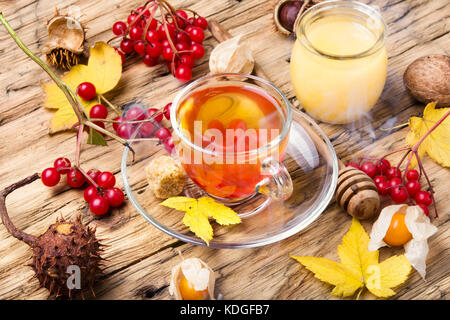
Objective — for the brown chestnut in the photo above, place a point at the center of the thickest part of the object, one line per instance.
(288, 13)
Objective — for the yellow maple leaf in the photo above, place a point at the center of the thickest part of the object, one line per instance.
(221, 213)
(197, 221)
(334, 273)
(104, 70)
(353, 251)
(198, 212)
(437, 144)
(179, 203)
(388, 274)
(359, 267)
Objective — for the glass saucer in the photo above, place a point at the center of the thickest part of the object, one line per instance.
(310, 160)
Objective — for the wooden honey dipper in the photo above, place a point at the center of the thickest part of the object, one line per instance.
(356, 192)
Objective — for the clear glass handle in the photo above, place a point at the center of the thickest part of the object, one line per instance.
(277, 184)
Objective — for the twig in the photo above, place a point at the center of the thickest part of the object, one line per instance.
(19, 234)
(78, 145)
(112, 106)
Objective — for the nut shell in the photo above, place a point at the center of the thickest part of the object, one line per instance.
(276, 17)
(428, 79)
(63, 245)
(65, 32)
(66, 38)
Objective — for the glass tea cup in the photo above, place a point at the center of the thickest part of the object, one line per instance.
(230, 133)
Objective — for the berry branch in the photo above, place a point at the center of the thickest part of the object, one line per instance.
(112, 106)
(83, 117)
(101, 195)
(136, 125)
(176, 38)
(78, 145)
(402, 186)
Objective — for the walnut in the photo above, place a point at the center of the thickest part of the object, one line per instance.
(428, 79)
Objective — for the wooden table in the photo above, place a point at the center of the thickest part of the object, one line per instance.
(140, 257)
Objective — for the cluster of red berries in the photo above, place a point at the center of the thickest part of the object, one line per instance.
(390, 181)
(100, 197)
(136, 122)
(178, 39)
(139, 122)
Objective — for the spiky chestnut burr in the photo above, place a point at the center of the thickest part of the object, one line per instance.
(64, 244)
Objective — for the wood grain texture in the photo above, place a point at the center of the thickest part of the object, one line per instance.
(139, 256)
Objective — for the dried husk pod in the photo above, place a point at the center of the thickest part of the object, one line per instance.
(231, 56)
(196, 272)
(66, 41)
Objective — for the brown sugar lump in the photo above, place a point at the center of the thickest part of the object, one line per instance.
(165, 176)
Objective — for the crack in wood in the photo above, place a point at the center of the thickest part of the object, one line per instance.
(390, 5)
(10, 88)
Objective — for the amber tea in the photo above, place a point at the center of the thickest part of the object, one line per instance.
(231, 129)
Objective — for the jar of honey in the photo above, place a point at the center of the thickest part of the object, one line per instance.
(339, 61)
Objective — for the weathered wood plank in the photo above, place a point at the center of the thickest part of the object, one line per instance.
(140, 257)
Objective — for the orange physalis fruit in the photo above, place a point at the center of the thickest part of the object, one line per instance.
(398, 233)
(189, 293)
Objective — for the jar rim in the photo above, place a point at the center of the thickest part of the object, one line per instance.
(371, 12)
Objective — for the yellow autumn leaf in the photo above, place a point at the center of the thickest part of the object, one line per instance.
(359, 267)
(334, 273)
(198, 212)
(64, 118)
(197, 221)
(437, 144)
(221, 213)
(105, 67)
(55, 98)
(353, 251)
(179, 203)
(104, 70)
(389, 274)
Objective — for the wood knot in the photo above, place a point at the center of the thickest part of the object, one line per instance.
(149, 292)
